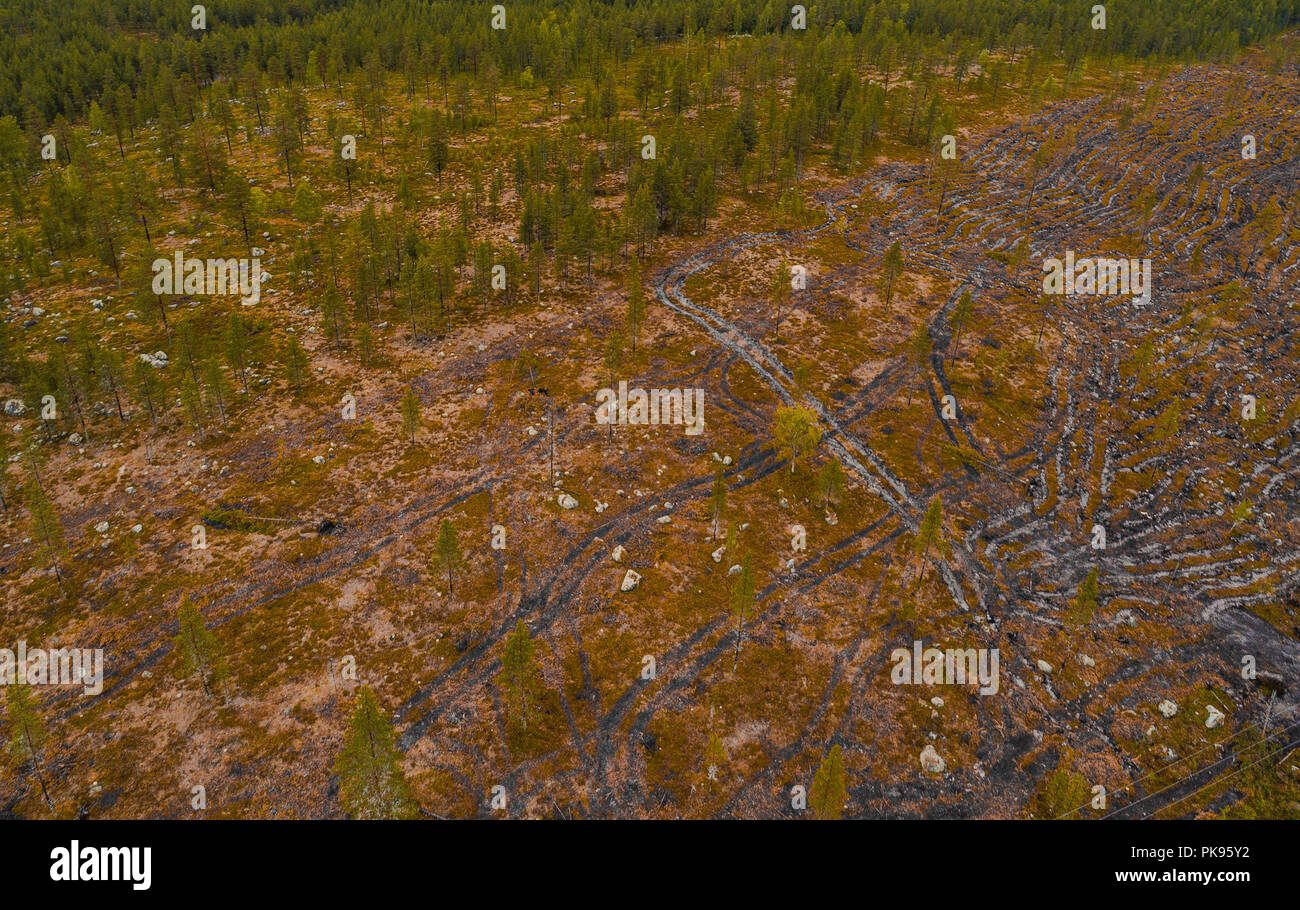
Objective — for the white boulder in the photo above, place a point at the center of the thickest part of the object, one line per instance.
(630, 580)
(931, 761)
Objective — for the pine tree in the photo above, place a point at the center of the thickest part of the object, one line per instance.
(643, 219)
(536, 263)
(528, 362)
(410, 414)
(1167, 424)
(520, 676)
(830, 482)
(438, 151)
(928, 536)
(287, 141)
(1085, 603)
(295, 365)
(198, 646)
(140, 196)
(237, 198)
(828, 793)
(192, 402)
(112, 378)
(331, 310)
(26, 734)
(237, 347)
(365, 345)
(306, 205)
(149, 301)
(47, 530)
(742, 601)
(371, 783)
(218, 388)
(635, 304)
(70, 387)
(447, 549)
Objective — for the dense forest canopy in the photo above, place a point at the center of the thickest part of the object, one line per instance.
(57, 59)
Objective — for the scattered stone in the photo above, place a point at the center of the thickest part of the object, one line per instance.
(74, 439)
(630, 580)
(937, 702)
(567, 502)
(1044, 666)
(101, 528)
(15, 407)
(1215, 717)
(717, 554)
(136, 529)
(617, 555)
(1168, 708)
(1087, 661)
(931, 761)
